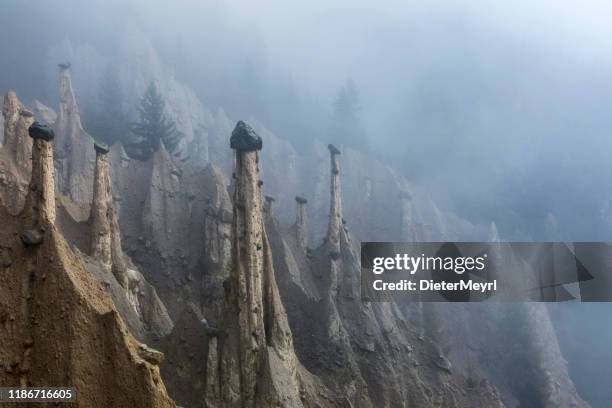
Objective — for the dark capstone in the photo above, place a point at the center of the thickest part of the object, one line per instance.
(333, 149)
(64, 65)
(334, 255)
(40, 131)
(245, 139)
(101, 148)
(270, 199)
(31, 238)
(26, 113)
(404, 195)
(212, 331)
(300, 200)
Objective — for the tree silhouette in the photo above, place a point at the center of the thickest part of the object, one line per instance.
(154, 126)
(346, 126)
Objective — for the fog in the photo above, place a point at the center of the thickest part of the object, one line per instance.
(501, 110)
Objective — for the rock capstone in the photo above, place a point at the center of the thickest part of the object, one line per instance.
(333, 149)
(41, 131)
(31, 238)
(101, 148)
(245, 139)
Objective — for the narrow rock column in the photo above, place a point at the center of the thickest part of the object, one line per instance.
(100, 208)
(75, 158)
(257, 362)
(493, 233)
(301, 229)
(40, 201)
(105, 234)
(335, 212)
(247, 248)
(23, 144)
(408, 231)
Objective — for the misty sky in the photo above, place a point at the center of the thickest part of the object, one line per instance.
(500, 109)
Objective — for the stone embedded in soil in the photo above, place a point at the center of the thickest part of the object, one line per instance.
(6, 257)
(31, 238)
(151, 355)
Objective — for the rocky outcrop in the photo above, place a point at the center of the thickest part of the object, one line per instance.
(16, 153)
(75, 158)
(256, 362)
(17, 120)
(58, 324)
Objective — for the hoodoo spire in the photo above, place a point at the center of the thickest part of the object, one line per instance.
(301, 228)
(40, 202)
(257, 363)
(335, 212)
(105, 234)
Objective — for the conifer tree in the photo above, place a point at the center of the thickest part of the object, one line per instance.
(346, 127)
(154, 126)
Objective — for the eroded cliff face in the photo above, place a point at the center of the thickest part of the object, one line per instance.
(59, 326)
(368, 353)
(176, 218)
